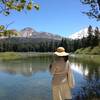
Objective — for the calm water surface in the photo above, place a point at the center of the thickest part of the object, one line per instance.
(30, 79)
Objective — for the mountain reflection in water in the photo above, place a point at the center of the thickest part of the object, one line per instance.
(23, 67)
(31, 77)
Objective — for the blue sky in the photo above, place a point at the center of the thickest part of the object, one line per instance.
(62, 17)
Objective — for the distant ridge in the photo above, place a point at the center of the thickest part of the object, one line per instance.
(29, 32)
(32, 33)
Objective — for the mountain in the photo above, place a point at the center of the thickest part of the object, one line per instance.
(80, 34)
(32, 33)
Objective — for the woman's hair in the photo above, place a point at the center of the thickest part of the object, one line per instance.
(65, 58)
(57, 58)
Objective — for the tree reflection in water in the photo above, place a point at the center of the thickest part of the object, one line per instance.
(24, 67)
(25, 76)
(89, 89)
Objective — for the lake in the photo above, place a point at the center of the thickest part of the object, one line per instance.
(29, 79)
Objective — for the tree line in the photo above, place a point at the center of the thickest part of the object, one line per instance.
(92, 40)
(16, 44)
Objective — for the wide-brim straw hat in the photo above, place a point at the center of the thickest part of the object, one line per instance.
(61, 52)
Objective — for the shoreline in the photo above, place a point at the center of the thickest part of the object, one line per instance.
(87, 57)
(25, 55)
(22, 55)
(89, 50)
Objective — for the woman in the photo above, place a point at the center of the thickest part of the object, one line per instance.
(62, 80)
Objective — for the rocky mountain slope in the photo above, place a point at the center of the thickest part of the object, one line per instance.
(29, 32)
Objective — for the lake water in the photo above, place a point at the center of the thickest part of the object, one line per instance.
(29, 79)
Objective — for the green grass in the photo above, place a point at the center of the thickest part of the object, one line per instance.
(79, 51)
(88, 58)
(21, 55)
(89, 50)
(96, 50)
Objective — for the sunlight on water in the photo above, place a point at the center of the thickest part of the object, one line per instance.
(79, 69)
(30, 79)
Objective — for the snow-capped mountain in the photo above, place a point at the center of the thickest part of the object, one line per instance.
(80, 34)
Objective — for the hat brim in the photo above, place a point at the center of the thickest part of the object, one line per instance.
(61, 53)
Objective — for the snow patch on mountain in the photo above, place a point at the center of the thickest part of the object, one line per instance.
(80, 34)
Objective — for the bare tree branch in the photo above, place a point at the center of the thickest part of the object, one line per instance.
(7, 25)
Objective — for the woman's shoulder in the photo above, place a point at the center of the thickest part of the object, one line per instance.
(56, 63)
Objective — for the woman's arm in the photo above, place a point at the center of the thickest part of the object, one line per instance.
(50, 67)
(70, 76)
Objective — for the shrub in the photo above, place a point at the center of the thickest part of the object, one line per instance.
(95, 50)
(87, 50)
(79, 51)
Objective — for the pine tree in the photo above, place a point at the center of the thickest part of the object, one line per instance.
(96, 37)
(90, 36)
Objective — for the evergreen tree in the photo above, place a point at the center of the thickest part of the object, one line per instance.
(64, 43)
(96, 37)
(90, 37)
(84, 42)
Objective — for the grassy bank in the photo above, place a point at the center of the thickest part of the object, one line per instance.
(87, 58)
(21, 55)
(89, 50)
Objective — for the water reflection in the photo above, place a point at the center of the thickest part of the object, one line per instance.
(87, 68)
(30, 79)
(24, 67)
(79, 69)
(89, 74)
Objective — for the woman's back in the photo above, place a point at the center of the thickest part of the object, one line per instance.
(62, 75)
(59, 71)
